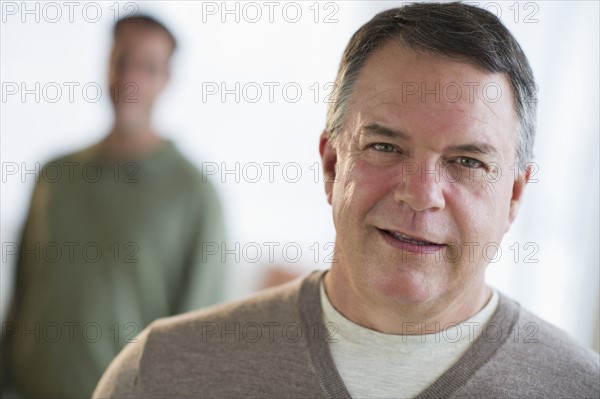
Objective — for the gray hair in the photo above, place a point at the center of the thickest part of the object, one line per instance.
(458, 31)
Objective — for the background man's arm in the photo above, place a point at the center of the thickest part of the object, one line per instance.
(205, 275)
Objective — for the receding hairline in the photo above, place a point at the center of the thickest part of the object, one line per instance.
(404, 46)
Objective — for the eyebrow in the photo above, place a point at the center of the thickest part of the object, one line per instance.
(373, 129)
(474, 148)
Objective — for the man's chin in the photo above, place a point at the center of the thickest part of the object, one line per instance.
(406, 287)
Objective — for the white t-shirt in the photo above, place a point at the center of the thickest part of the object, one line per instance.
(377, 365)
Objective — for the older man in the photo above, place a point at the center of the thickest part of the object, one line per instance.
(434, 106)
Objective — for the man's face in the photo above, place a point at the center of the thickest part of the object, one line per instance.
(139, 70)
(424, 189)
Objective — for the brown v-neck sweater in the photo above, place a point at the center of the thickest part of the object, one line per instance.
(274, 345)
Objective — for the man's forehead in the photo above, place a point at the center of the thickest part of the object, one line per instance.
(395, 64)
(138, 32)
(399, 82)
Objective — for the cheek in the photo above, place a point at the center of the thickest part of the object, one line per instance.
(480, 208)
(360, 186)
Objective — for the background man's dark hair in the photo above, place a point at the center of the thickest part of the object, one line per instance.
(458, 31)
(145, 21)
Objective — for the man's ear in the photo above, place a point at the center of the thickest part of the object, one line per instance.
(329, 160)
(517, 194)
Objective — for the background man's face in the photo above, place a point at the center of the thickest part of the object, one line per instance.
(425, 165)
(138, 71)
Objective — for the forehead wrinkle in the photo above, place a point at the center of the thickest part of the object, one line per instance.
(375, 129)
(475, 147)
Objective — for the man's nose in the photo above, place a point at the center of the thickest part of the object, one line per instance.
(421, 186)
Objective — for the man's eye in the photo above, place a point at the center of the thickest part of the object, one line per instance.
(383, 147)
(469, 162)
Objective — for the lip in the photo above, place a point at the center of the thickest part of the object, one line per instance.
(408, 247)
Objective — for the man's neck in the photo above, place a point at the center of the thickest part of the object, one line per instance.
(126, 143)
(408, 319)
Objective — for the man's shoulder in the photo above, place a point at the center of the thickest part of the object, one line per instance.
(262, 322)
(538, 337)
(270, 305)
(75, 158)
(256, 339)
(537, 358)
(66, 169)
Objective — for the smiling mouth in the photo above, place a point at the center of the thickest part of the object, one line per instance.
(408, 243)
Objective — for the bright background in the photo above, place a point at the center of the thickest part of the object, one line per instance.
(559, 215)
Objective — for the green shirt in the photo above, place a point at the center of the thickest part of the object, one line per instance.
(106, 249)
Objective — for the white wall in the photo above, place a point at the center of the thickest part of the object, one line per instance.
(560, 213)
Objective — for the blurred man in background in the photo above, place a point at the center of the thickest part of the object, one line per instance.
(109, 249)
